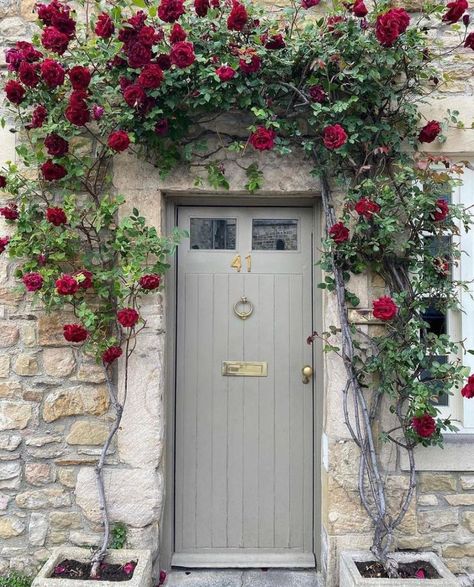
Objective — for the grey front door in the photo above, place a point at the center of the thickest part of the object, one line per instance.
(244, 444)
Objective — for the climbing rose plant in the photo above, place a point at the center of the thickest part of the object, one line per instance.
(340, 91)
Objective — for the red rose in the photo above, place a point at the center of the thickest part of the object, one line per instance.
(317, 94)
(367, 208)
(47, 11)
(138, 55)
(429, 132)
(10, 212)
(339, 233)
(391, 25)
(424, 426)
(309, 3)
(52, 73)
(56, 216)
(182, 54)
(250, 63)
(33, 281)
(3, 182)
(15, 91)
(75, 332)
(38, 117)
(54, 40)
(78, 113)
(97, 112)
(334, 137)
(332, 22)
(134, 95)
(28, 74)
(469, 42)
(128, 317)
(263, 139)
(164, 61)
(201, 7)
(80, 77)
(225, 73)
(65, 24)
(137, 20)
(162, 127)
(149, 36)
(111, 354)
(53, 171)
(177, 34)
(104, 27)
(384, 308)
(468, 390)
(4, 240)
(359, 9)
(66, 285)
(56, 145)
(238, 17)
(441, 211)
(83, 278)
(151, 281)
(151, 76)
(274, 42)
(119, 141)
(171, 10)
(455, 10)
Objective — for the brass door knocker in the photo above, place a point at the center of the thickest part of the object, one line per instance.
(246, 308)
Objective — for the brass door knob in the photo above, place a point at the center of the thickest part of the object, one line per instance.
(307, 373)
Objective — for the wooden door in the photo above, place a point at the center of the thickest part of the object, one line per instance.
(244, 444)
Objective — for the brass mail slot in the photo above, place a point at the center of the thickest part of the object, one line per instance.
(244, 369)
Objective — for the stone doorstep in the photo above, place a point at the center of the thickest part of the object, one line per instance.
(242, 578)
(141, 575)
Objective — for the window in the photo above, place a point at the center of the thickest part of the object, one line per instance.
(213, 233)
(274, 235)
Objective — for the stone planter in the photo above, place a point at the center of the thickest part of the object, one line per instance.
(349, 575)
(141, 575)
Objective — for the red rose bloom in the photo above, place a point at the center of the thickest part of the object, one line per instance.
(119, 141)
(4, 240)
(78, 113)
(75, 332)
(138, 55)
(424, 426)
(46, 12)
(201, 7)
(63, 22)
(10, 212)
(15, 92)
(274, 42)
(455, 10)
(38, 117)
(56, 216)
(151, 76)
(104, 27)
(111, 354)
(66, 285)
(339, 233)
(367, 208)
(441, 211)
(128, 317)
(83, 278)
(164, 61)
(384, 308)
(309, 3)
(171, 10)
(225, 73)
(52, 73)
(162, 127)
(177, 34)
(134, 95)
(53, 171)
(56, 145)
(33, 281)
(468, 390)
(359, 9)
(238, 17)
(429, 132)
(151, 281)
(334, 137)
(391, 25)
(97, 112)
(250, 63)
(80, 77)
(263, 139)
(149, 36)
(28, 74)
(182, 54)
(54, 40)
(3, 182)
(317, 94)
(469, 42)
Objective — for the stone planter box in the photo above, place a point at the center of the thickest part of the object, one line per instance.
(349, 575)
(141, 575)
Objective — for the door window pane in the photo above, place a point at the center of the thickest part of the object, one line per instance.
(213, 233)
(274, 235)
(436, 324)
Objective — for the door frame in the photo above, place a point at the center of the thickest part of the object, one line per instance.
(171, 204)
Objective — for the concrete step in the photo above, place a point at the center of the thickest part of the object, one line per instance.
(242, 578)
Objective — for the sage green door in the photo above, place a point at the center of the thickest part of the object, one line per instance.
(244, 444)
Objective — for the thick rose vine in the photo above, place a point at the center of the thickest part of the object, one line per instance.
(341, 91)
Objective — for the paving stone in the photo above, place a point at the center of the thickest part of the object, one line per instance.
(280, 578)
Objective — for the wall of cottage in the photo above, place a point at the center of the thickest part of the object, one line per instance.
(54, 408)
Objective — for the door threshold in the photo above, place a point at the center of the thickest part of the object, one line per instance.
(244, 560)
(243, 578)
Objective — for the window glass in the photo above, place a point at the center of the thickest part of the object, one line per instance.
(274, 235)
(213, 233)
(437, 324)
